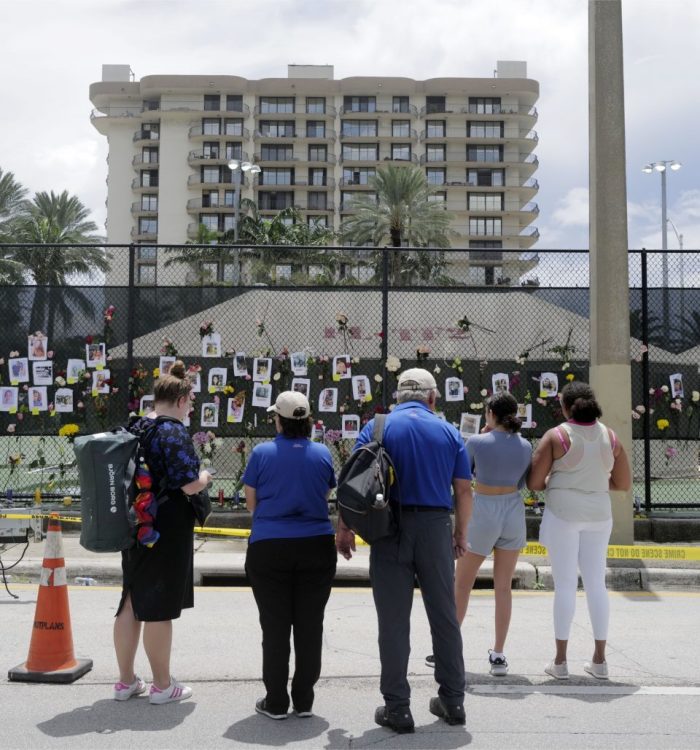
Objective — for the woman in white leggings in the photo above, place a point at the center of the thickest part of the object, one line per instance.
(578, 462)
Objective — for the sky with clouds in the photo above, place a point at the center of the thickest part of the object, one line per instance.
(54, 50)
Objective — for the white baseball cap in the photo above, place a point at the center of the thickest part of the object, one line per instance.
(416, 379)
(291, 405)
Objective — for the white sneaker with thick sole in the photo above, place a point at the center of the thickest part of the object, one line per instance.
(599, 671)
(122, 691)
(498, 665)
(176, 691)
(558, 671)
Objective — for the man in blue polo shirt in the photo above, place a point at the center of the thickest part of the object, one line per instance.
(430, 461)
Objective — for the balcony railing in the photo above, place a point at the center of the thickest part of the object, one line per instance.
(463, 134)
(136, 232)
(196, 132)
(137, 208)
(380, 110)
(136, 185)
(146, 135)
(140, 161)
(226, 179)
(195, 156)
(329, 159)
(502, 109)
(244, 110)
(199, 204)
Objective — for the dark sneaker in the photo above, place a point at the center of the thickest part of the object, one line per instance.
(430, 661)
(452, 715)
(400, 719)
(261, 708)
(499, 665)
(303, 714)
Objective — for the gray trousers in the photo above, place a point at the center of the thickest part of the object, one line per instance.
(423, 548)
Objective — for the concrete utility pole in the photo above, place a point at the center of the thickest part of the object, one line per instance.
(609, 283)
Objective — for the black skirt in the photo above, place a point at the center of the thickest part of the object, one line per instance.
(160, 579)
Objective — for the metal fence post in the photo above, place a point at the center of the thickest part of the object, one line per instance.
(130, 318)
(385, 323)
(645, 384)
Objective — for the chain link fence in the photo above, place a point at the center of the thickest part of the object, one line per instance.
(338, 323)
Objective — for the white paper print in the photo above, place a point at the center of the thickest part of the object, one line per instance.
(146, 405)
(236, 408)
(676, 385)
(318, 432)
(454, 389)
(525, 414)
(196, 380)
(74, 368)
(19, 370)
(342, 368)
(361, 388)
(240, 366)
(210, 415)
(262, 394)
(37, 347)
(298, 363)
(37, 399)
(42, 372)
(211, 345)
(95, 355)
(165, 364)
(217, 379)
(500, 382)
(469, 425)
(328, 400)
(262, 369)
(63, 400)
(302, 385)
(9, 397)
(549, 385)
(100, 380)
(350, 426)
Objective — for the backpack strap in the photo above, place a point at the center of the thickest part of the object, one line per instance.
(378, 432)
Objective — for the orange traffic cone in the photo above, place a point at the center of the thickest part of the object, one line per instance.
(51, 657)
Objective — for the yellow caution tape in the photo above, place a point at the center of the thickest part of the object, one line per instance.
(28, 516)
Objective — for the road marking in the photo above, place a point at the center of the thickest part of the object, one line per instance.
(487, 689)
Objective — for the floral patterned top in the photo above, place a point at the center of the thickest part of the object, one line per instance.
(171, 452)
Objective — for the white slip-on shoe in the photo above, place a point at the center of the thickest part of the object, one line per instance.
(558, 671)
(599, 671)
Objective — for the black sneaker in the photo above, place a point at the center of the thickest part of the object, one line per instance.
(400, 719)
(261, 708)
(452, 715)
(430, 661)
(499, 665)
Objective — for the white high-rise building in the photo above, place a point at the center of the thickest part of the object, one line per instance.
(318, 141)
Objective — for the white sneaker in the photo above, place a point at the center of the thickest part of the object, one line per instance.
(122, 691)
(599, 671)
(176, 691)
(498, 665)
(558, 671)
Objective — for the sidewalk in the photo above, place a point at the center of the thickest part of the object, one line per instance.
(221, 562)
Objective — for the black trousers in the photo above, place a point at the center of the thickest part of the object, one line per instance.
(291, 580)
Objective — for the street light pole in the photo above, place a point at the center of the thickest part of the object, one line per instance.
(681, 273)
(660, 166)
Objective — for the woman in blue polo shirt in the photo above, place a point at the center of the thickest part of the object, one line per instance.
(291, 556)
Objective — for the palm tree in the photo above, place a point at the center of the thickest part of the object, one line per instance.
(59, 228)
(12, 197)
(402, 212)
(688, 331)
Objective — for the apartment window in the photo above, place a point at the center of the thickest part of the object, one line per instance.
(275, 200)
(317, 176)
(401, 151)
(149, 178)
(354, 128)
(318, 201)
(485, 250)
(148, 225)
(149, 202)
(210, 199)
(234, 103)
(210, 149)
(485, 129)
(484, 153)
(318, 153)
(440, 197)
(315, 129)
(212, 102)
(486, 177)
(234, 150)
(277, 128)
(277, 176)
(275, 153)
(229, 223)
(400, 104)
(484, 105)
(360, 103)
(401, 128)
(145, 265)
(211, 126)
(317, 221)
(434, 104)
(283, 273)
(233, 127)
(151, 104)
(358, 175)
(230, 198)
(360, 151)
(484, 225)
(229, 272)
(150, 131)
(211, 174)
(485, 201)
(347, 200)
(435, 152)
(210, 221)
(435, 128)
(277, 104)
(436, 175)
(316, 105)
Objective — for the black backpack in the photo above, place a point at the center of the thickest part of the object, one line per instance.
(368, 489)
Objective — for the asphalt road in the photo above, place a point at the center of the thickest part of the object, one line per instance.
(652, 700)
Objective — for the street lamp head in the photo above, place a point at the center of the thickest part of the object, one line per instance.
(234, 164)
(648, 169)
(255, 169)
(660, 166)
(246, 165)
(675, 165)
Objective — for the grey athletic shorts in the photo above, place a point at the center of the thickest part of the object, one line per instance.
(497, 521)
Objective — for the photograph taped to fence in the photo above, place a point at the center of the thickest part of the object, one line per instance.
(63, 400)
(454, 389)
(240, 366)
(100, 381)
(262, 394)
(500, 382)
(37, 399)
(146, 405)
(549, 385)
(217, 379)
(301, 385)
(262, 369)
(525, 415)
(9, 399)
(19, 370)
(236, 408)
(96, 355)
(42, 372)
(299, 363)
(211, 345)
(328, 400)
(350, 426)
(196, 380)
(361, 388)
(165, 364)
(469, 425)
(74, 370)
(210, 415)
(37, 346)
(676, 385)
(342, 369)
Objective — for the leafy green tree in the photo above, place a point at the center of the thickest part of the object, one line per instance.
(12, 199)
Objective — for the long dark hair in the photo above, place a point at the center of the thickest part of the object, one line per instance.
(580, 401)
(505, 409)
(296, 428)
